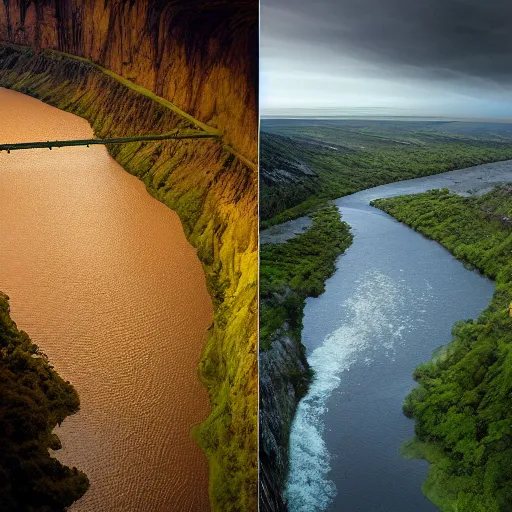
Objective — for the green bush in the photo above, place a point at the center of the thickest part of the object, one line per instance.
(297, 269)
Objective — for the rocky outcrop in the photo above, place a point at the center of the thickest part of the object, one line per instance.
(200, 54)
(284, 378)
(286, 180)
(214, 193)
(284, 373)
(280, 163)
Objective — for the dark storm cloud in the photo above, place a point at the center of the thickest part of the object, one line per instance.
(442, 39)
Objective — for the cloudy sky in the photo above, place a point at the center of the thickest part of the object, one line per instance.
(448, 58)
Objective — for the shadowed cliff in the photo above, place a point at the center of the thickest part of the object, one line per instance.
(200, 54)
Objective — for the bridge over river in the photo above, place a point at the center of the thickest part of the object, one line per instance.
(175, 134)
(201, 130)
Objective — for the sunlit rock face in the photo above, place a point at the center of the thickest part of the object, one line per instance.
(201, 55)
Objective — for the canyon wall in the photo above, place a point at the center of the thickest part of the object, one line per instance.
(284, 378)
(286, 180)
(215, 194)
(200, 54)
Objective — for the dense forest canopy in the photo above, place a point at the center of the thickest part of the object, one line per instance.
(462, 404)
(33, 400)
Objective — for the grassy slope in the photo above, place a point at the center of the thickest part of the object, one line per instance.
(297, 269)
(33, 399)
(214, 194)
(462, 404)
(350, 157)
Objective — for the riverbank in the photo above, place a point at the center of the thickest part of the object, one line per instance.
(215, 196)
(290, 272)
(363, 349)
(305, 163)
(461, 403)
(34, 399)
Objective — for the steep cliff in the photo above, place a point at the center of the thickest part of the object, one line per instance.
(285, 179)
(215, 194)
(284, 378)
(200, 54)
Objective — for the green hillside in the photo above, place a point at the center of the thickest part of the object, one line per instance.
(462, 404)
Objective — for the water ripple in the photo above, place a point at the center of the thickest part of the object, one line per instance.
(374, 321)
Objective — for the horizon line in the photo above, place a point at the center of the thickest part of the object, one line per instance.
(334, 117)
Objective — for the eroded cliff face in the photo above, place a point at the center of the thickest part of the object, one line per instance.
(199, 54)
(284, 378)
(285, 179)
(215, 194)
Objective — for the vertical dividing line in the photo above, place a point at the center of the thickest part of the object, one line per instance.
(258, 156)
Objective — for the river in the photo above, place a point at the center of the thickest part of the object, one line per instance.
(392, 301)
(101, 276)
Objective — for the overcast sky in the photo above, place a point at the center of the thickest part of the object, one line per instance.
(399, 57)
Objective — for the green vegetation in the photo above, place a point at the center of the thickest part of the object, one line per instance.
(289, 273)
(33, 400)
(297, 269)
(306, 163)
(462, 404)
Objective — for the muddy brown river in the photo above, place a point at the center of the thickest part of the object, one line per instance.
(101, 276)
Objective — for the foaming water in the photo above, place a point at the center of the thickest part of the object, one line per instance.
(390, 304)
(371, 314)
(101, 276)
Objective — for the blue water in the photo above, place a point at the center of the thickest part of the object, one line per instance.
(390, 304)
